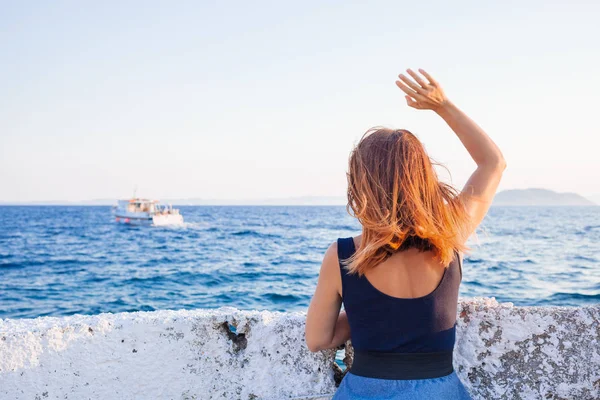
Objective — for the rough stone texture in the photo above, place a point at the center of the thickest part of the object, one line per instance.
(502, 352)
(507, 352)
(162, 355)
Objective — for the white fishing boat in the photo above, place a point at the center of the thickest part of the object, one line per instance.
(138, 211)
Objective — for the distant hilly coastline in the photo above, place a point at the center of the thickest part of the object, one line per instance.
(539, 197)
(516, 197)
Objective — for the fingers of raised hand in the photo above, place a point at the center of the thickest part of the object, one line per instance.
(432, 81)
(417, 78)
(409, 82)
(412, 93)
(411, 102)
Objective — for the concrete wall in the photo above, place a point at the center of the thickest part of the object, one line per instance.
(502, 352)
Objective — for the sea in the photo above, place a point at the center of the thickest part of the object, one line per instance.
(64, 260)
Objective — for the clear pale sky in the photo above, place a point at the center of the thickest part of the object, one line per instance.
(242, 100)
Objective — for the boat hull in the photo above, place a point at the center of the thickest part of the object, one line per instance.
(133, 220)
(169, 219)
(156, 220)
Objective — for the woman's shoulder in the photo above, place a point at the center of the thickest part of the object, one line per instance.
(329, 274)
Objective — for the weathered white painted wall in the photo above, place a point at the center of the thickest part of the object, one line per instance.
(502, 352)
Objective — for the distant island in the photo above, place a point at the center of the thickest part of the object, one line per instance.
(516, 197)
(539, 197)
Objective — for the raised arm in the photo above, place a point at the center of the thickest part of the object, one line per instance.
(424, 93)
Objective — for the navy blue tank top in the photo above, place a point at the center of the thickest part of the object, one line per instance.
(379, 322)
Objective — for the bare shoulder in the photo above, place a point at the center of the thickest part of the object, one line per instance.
(330, 271)
(330, 259)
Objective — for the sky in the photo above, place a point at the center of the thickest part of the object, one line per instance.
(250, 100)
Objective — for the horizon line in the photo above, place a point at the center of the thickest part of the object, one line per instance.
(269, 201)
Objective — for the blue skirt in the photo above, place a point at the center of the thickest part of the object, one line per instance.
(354, 387)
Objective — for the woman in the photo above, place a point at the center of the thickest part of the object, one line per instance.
(399, 279)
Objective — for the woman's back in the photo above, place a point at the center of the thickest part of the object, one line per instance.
(408, 274)
(399, 283)
(382, 319)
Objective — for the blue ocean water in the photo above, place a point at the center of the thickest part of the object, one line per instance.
(64, 260)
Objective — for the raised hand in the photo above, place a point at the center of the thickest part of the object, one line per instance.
(424, 93)
(420, 93)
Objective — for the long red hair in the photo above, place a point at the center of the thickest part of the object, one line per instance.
(394, 192)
